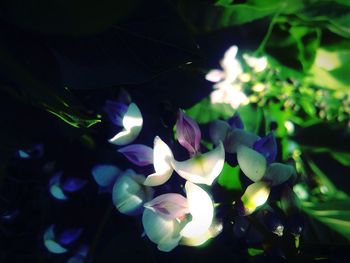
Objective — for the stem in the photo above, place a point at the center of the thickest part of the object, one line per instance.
(263, 43)
(99, 231)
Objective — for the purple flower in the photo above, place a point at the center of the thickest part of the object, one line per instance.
(188, 133)
(267, 146)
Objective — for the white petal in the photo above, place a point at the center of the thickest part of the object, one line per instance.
(132, 123)
(214, 230)
(255, 195)
(162, 231)
(162, 159)
(218, 131)
(202, 210)
(258, 64)
(215, 75)
(156, 179)
(278, 173)
(202, 169)
(238, 137)
(252, 163)
(128, 195)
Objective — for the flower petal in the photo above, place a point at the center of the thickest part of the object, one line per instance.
(236, 122)
(218, 131)
(214, 230)
(54, 247)
(252, 163)
(202, 210)
(188, 133)
(105, 174)
(50, 243)
(69, 236)
(278, 173)
(255, 195)
(267, 146)
(57, 192)
(115, 111)
(162, 159)
(231, 65)
(128, 195)
(162, 231)
(238, 137)
(170, 206)
(132, 123)
(204, 168)
(73, 184)
(258, 64)
(215, 75)
(138, 154)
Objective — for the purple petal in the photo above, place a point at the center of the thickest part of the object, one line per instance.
(170, 206)
(115, 111)
(138, 154)
(188, 133)
(73, 184)
(69, 236)
(236, 122)
(267, 146)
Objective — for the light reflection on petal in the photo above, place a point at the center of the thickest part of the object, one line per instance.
(129, 194)
(204, 168)
(255, 195)
(162, 159)
(202, 210)
(132, 123)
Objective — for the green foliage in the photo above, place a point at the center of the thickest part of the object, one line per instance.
(255, 252)
(204, 111)
(229, 178)
(334, 213)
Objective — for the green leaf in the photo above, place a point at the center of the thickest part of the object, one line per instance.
(333, 213)
(229, 178)
(205, 17)
(294, 46)
(31, 76)
(333, 16)
(255, 251)
(205, 112)
(329, 188)
(341, 157)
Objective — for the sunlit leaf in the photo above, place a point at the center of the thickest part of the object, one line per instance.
(229, 178)
(334, 213)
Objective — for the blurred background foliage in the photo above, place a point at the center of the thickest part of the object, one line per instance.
(60, 60)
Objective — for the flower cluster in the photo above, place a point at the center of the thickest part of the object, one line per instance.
(261, 80)
(174, 218)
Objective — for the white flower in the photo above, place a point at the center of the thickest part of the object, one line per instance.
(166, 220)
